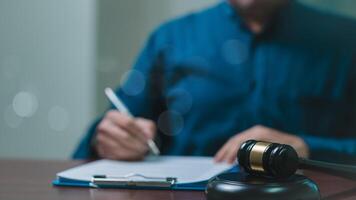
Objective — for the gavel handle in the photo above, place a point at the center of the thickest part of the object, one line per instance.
(346, 171)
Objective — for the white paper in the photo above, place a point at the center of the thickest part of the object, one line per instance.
(185, 169)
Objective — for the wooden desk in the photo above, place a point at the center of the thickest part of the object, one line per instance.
(31, 180)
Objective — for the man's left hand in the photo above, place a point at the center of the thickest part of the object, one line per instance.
(229, 151)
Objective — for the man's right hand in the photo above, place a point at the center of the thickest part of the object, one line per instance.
(120, 137)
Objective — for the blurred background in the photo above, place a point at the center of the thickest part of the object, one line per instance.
(57, 56)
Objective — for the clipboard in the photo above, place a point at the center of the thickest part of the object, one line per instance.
(133, 180)
(141, 181)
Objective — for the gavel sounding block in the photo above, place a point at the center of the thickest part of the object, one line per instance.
(241, 186)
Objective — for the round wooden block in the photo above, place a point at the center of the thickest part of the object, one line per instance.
(241, 186)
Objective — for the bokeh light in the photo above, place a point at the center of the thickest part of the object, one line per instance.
(180, 101)
(133, 82)
(170, 123)
(25, 104)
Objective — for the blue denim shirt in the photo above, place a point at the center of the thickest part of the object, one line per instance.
(205, 77)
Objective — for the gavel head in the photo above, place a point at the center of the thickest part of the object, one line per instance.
(268, 159)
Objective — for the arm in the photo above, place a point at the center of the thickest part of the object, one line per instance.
(141, 93)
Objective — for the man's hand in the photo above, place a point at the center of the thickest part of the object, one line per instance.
(120, 137)
(229, 151)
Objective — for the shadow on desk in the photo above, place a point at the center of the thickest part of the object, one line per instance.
(349, 194)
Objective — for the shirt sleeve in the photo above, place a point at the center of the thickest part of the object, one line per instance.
(141, 91)
(332, 149)
(336, 149)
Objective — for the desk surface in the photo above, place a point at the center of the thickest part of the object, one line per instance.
(31, 180)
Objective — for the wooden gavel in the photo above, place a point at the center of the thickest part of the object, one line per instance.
(282, 161)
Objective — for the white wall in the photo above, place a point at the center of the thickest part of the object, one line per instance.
(47, 50)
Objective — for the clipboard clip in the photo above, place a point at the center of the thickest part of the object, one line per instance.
(132, 180)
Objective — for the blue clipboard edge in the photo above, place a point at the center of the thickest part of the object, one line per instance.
(60, 182)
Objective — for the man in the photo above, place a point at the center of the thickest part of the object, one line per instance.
(270, 70)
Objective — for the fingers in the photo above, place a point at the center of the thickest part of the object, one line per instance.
(148, 127)
(122, 137)
(220, 155)
(108, 149)
(231, 154)
(104, 145)
(228, 152)
(129, 124)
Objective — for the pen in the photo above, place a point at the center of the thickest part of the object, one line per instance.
(120, 106)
